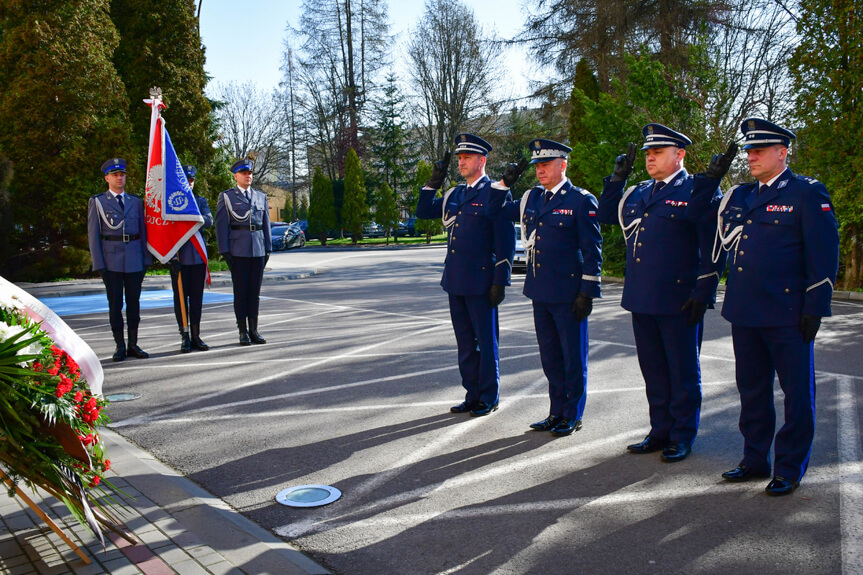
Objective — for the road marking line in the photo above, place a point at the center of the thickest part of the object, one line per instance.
(850, 477)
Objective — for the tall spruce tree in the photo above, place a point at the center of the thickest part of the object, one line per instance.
(160, 45)
(64, 113)
(387, 214)
(355, 212)
(828, 70)
(322, 211)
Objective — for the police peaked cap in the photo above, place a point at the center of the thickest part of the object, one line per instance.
(114, 165)
(470, 144)
(659, 136)
(759, 133)
(547, 150)
(190, 171)
(241, 165)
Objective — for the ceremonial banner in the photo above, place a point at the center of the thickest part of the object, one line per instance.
(171, 210)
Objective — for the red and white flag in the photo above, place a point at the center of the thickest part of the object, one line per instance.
(172, 214)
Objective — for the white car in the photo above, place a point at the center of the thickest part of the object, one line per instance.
(519, 262)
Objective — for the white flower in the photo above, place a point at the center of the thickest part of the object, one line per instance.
(8, 331)
(10, 301)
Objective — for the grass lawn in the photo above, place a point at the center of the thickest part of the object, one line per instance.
(380, 241)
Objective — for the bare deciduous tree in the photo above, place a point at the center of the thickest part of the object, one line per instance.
(453, 67)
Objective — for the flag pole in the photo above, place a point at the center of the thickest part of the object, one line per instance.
(182, 301)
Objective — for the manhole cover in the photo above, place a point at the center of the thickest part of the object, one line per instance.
(122, 396)
(308, 495)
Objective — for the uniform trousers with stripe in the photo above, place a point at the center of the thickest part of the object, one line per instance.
(760, 354)
(563, 353)
(668, 356)
(194, 276)
(116, 284)
(247, 275)
(475, 324)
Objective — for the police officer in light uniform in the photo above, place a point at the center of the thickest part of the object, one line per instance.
(782, 239)
(193, 270)
(243, 235)
(560, 231)
(477, 269)
(118, 248)
(670, 282)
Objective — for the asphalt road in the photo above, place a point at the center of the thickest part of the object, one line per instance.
(353, 390)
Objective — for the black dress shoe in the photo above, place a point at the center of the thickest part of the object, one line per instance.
(566, 427)
(186, 344)
(244, 338)
(781, 486)
(481, 408)
(119, 352)
(255, 337)
(135, 351)
(198, 344)
(649, 445)
(743, 473)
(675, 451)
(463, 407)
(546, 424)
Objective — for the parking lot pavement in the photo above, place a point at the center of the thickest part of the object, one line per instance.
(353, 389)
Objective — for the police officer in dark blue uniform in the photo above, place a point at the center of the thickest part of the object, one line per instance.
(560, 232)
(782, 240)
(118, 248)
(189, 265)
(671, 280)
(476, 271)
(243, 235)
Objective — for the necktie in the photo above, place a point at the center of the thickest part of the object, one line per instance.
(658, 187)
(248, 195)
(761, 188)
(548, 196)
(122, 205)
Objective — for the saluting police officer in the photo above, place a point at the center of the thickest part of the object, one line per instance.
(477, 269)
(782, 239)
(243, 235)
(671, 280)
(189, 265)
(560, 232)
(118, 248)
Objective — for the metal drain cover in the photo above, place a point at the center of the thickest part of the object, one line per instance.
(308, 495)
(122, 396)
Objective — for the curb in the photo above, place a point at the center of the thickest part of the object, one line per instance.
(243, 543)
(837, 295)
(151, 283)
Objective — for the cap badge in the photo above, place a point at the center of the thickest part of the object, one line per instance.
(751, 124)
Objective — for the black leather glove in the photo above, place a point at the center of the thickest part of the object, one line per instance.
(496, 295)
(695, 309)
(175, 265)
(582, 306)
(623, 164)
(809, 325)
(513, 172)
(103, 273)
(439, 172)
(266, 258)
(720, 163)
(229, 259)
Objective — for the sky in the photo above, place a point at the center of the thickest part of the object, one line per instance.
(245, 44)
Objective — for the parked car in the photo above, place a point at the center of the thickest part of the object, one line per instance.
(519, 262)
(286, 236)
(409, 227)
(304, 226)
(373, 230)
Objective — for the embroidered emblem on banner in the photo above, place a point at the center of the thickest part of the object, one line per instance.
(781, 208)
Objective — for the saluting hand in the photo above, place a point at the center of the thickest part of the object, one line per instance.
(623, 164)
(439, 171)
(513, 172)
(720, 163)
(581, 307)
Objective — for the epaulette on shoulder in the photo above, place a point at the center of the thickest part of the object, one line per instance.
(630, 189)
(582, 191)
(807, 179)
